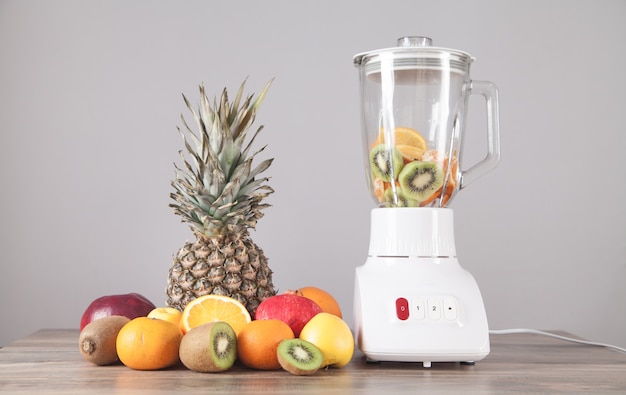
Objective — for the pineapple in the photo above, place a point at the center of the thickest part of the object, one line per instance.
(219, 194)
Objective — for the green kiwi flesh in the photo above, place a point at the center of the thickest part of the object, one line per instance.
(385, 162)
(210, 347)
(399, 199)
(97, 339)
(419, 180)
(299, 357)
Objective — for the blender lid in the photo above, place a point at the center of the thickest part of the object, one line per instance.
(414, 52)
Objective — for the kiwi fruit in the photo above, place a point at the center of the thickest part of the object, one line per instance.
(400, 199)
(299, 357)
(385, 162)
(419, 180)
(96, 341)
(210, 347)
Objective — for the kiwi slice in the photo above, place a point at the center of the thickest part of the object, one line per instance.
(419, 180)
(400, 199)
(299, 357)
(210, 347)
(385, 163)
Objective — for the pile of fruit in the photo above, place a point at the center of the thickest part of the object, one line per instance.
(405, 173)
(299, 331)
(218, 282)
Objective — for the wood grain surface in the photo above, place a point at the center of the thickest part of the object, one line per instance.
(48, 361)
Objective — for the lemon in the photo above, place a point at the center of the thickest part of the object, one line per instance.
(167, 314)
(332, 336)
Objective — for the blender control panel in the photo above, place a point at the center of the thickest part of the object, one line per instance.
(431, 308)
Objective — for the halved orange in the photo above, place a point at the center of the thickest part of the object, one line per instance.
(213, 308)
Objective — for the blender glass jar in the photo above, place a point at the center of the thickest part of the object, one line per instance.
(413, 102)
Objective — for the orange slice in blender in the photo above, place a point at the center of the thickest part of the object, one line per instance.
(437, 194)
(454, 168)
(414, 143)
(436, 156)
(379, 189)
(410, 153)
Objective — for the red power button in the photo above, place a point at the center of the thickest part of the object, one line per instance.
(402, 308)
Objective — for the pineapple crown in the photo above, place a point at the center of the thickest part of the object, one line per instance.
(217, 191)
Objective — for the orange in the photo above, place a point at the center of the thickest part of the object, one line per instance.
(148, 344)
(213, 308)
(166, 313)
(324, 299)
(379, 189)
(409, 153)
(438, 156)
(257, 343)
(437, 194)
(454, 164)
(406, 136)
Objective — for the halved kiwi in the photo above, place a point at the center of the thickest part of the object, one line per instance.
(210, 347)
(419, 180)
(385, 162)
(299, 357)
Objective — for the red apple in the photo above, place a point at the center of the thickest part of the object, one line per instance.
(130, 305)
(294, 310)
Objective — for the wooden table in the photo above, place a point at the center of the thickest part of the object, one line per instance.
(48, 361)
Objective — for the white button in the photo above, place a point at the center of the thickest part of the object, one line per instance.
(434, 309)
(450, 308)
(419, 311)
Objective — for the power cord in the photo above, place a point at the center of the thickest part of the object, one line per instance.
(569, 339)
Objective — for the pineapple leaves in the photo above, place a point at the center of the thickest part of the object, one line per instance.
(249, 116)
(235, 104)
(259, 100)
(217, 190)
(260, 168)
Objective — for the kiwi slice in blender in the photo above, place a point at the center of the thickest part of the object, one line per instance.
(210, 347)
(299, 357)
(400, 199)
(385, 162)
(419, 180)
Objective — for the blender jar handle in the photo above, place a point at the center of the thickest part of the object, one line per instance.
(490, 92)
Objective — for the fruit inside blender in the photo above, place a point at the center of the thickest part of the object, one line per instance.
(405, 172)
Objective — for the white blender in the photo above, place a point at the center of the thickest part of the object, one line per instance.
(413, 301)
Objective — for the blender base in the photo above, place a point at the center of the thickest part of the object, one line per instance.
(410, 307)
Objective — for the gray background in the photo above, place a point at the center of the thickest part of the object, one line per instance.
(90, 97)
